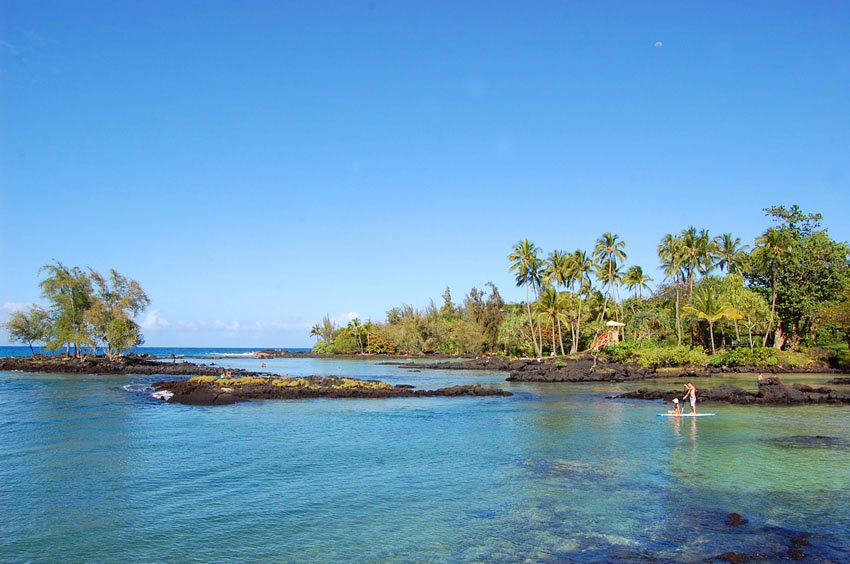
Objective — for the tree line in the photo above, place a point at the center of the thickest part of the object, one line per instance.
(87, 312)
(789, 290)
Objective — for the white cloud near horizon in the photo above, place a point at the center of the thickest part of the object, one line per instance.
(8, 308)
(153, 321)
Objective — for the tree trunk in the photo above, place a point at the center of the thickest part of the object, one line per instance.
(778, 338)
(530, 321)
(540, 337)
(574, 348)
(772, 314)
(711, 335)
(560, 336)
(573, 333)
(554, 350)
(678, 322)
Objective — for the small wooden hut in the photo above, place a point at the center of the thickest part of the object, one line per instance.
(614, 331)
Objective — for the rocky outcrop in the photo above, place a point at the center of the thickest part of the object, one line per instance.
(771, 391)
(576, 369)
(584, 368)
(208, 391)
(130, 364)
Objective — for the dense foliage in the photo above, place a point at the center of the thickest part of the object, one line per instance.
(87, 311)
(720, 302)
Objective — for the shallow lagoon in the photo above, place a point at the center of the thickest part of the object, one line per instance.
(92, 468)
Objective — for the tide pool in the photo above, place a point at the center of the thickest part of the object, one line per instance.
(92, 468)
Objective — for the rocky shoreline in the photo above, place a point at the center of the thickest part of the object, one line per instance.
(224, 391)
(771, 391)
(205, 388)
(580, 368)
(130, 364)
(583, 368)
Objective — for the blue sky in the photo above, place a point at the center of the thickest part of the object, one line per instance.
(256, 165)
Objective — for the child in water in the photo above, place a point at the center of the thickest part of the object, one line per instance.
(677, 410)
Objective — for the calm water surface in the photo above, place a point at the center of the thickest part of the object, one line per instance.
(92, 468)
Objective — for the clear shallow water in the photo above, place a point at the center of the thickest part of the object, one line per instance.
(91, 468)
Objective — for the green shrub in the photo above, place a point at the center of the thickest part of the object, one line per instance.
(675, 355)
(792, 359)
(323, 347)
(650, 355)
(760, 357)
(625, 352)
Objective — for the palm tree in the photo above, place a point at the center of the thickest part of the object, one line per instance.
(769, 254)
(550, 308)
(609, 254)
(525, 262)
(672, 255)
(730, 253)
(356, 328)
(581, 266)
(697, 254)
(635, 278)
(316, 331)
(705, 305)
(558, 272)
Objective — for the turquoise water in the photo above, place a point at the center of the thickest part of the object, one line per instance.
(92, 468)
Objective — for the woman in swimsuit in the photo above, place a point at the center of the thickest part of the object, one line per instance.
(677, 409)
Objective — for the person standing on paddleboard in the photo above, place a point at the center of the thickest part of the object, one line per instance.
(692, 394)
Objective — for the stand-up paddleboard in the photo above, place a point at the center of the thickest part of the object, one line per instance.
(686, 415)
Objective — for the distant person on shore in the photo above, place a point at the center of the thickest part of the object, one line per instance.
(677, 409)
(691, 394)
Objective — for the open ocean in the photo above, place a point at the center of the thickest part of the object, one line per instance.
(92, 468)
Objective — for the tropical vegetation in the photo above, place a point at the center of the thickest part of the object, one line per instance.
(718, 301)
(88, 312)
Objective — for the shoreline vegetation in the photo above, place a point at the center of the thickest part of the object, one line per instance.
(784, 301)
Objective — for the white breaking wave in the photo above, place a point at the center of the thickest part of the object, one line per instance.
(234, 355)
(163, 395)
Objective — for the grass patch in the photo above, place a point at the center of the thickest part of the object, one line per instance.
(354, 384)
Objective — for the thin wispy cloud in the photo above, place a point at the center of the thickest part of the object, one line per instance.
(8, 47)
(154, 322)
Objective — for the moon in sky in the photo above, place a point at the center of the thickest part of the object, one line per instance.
(659, 44)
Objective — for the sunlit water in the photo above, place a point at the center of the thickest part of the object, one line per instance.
(93, 468)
